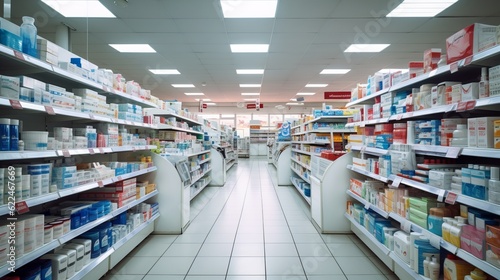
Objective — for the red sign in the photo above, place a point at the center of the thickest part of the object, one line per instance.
(254, 106)
(205, 106)
(337, 95)
(22, 207)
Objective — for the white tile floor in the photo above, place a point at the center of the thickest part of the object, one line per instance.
(250, 229)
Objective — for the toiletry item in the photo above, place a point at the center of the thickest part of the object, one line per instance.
(96, 245)
(59, 265)
(460, 136)
(455, 232)
(4, 134)
(14, 135)
(434, 269)
(455, 268)
(87, 246)
(402, 245)
(484, 84)
(21, 145)
(28, 36)
(477, 274)
(80, 254)
(45, 269)
(426, 266)
(414, 236)
(71, 254)
(494, 182)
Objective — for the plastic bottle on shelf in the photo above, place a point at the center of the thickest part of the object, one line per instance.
(484, 84)
(14, 135)
(494, 185)
(434, 269)
(426, 266)
(476, 274)
(28, 36)
(460, 136)
(4, 134)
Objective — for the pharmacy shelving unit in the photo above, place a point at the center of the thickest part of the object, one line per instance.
(465, 70)
(243, 147)
(281, 153)
(258, 141)
(36, 117)
(304, 146)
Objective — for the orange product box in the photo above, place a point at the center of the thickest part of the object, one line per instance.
(356, 186)
(469, 41)
(493, 235)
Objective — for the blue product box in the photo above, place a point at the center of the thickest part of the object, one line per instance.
(479, 192)
(120, 171)
(10, 40)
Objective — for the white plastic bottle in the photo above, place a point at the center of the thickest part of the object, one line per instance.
(426, 266)
(434, 269)
(494, 184)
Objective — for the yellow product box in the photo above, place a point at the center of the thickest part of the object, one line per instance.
(497, 143)
(150, 188)
(496, 128)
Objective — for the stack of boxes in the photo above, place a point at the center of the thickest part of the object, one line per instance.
(419, 210)
(431, 59)
(48, 51)
(27, 235)
(482, 132)
(93, 103)
(427, 132)
(122, 193)
(64, 177)
(493, 245)
(32, 90)
(107, 135)
(130, 112)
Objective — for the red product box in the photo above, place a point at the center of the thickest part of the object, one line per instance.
(148, 119)
(493, 235)
(470, 40)
(416, 68)
(431, 59)
(370, 114)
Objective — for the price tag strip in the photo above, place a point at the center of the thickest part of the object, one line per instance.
(15, 104)
(50, 110)
(406, 226)
(22, 207)
(451, 198)
(453, 152)
(454, 67)
(441, 195)
(397, 181)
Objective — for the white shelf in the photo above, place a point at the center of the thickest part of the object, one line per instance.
(369, 122)
(159, 112)
(86, 187)
(368, 204)
(230, 164)
(478, 152)
(300, 175)
(169, 127)
(311, 142)
(301, 164)
(198, 191)
(200, 176)
(369, 150)
(367, 173)
(31, 256)
(420, 186)
(307, 199)
(406, 267)
(481, 264)
(325, 131)
(305, 153)
(384, 250)
(103, 257)
(479, 204)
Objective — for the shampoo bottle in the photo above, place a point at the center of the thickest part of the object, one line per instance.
(426, 266)
(434, 269)
(477, 274)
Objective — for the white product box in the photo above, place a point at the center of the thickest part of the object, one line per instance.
(29, 234)
(470, 91)
(436, 99)
(472, 132)
(38, 230)
(47, 46)
(27, 82)
(485, 131)
(441, 179)
(376, 111)
(19, 238)
(470, 40)
(9, 87)
(365, 111)
(456, 93)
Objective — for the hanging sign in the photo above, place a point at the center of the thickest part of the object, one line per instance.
(337, 95)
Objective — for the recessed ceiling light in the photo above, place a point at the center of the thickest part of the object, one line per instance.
(366, 47)
(306, 93)
(80, 8)
(387, 70)
(316, 85)
(419, 8)
(249, 85)
(204, 99)
(249, 48)
(249, 8)
(194, 93)
(293, 99)
(249, 71)
(133, 48)
(250, 93)
(164, 71)
(295, 103)
(250, 99)
(211, 103)
(183, 85)
(335, 71)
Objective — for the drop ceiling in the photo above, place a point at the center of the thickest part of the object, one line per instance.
(305, 37)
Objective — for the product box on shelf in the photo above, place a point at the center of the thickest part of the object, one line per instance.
(431, 59)
(416, 68)
(470, 91)
(485, 131)
(493, 255)
(469, 41)
(9, 87)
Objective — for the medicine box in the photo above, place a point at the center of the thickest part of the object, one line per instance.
(470, 91)
(9, 87)
(470, 40)
(472, 132)
(485, 131)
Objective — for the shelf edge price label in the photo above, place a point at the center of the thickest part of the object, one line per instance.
(91, 151)
(101, 150)
(66, 153)
(454, 67)
(441, 195)
(15, 104)
(406, 226)
(50, 110)
(397, 181)
(468, 60)
(363, 149)
(451, 198)
(100, 184)
(367, 205)
(399, 117)
(453, 152)
(22, 207)
(461, 106)
(471, 104)
(435, 241)
(91, 116)
(19, 55)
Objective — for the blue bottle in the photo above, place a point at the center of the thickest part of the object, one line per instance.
(28, 36)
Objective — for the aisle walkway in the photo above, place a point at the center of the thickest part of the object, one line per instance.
(252, 230)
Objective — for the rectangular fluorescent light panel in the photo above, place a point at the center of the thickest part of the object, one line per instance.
(194, 93)
(80, 8)
(306, 93)
(250, 85)
(421, 8)
(183, 85)
(295, 103)
(249, 8)
(211, 103)
(204, 99)
(366, 47)
(317, 85)
(250, 99)
(335, 71)
(133, 48)
(164, 71)
(249, 48)
(250, 93)
(249, 71)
